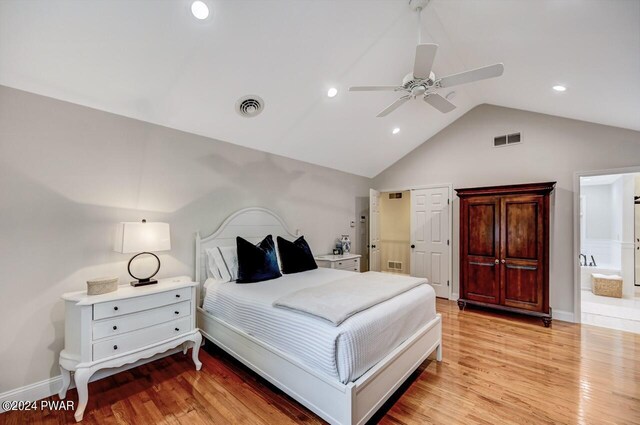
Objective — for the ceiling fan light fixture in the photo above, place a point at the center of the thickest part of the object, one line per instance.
(332, 92)
(559, 88)
(200, 10)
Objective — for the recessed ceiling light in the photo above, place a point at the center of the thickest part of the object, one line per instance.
(200, 10)
(559, 88)
(396, 130)
(332, 92)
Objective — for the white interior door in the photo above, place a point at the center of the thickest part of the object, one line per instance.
(430, 237)
(374, 230)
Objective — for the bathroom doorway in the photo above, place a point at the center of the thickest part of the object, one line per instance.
(609, 257)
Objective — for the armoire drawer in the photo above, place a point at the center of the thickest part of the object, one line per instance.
(140, 338)
(144, 319)
(135, 304)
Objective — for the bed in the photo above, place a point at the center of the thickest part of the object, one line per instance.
(342, 373)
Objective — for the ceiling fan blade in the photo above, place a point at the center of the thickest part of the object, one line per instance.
(440, 103)
(425, 54)
(395, 105)
(483, 73)
(375, 88)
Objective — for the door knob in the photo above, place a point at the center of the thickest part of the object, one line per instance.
(412, 246)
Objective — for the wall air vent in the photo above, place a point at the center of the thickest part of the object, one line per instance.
(394, 265)
(249, 106)
(506, 140)
(397, 195)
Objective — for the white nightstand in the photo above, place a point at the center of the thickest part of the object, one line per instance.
(122, 327)
(342, 262)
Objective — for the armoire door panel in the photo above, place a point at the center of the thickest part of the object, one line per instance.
(522, 287)
(482, 280)
(522, 251)
(482, 219)
(521, 220)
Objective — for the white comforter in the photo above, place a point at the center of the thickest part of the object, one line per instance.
(344, 352)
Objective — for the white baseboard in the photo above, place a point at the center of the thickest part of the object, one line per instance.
(454, 296)
(563, 316)
(51, 386)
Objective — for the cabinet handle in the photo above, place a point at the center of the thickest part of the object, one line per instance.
(503, 261)
(497, 261)
(115, 328)
(339, 264)
(176, 312)
(177, 295)
(511, 266)
(177, 329)
(115, 347)
(475, 263)
(115, 308)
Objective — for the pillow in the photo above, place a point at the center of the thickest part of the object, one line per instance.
(296, 256)
(212, 269)
(226, 260)
(257, 262)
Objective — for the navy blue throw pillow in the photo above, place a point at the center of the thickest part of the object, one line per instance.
(295, 256)
(257, 262)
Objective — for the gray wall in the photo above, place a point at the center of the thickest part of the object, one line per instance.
(553, 149)
(69, 173)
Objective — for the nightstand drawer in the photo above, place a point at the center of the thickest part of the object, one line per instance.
(136, 304)
(144, 319)
(350, 264)
(140, 338)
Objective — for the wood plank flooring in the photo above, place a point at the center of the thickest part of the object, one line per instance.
(497, 370)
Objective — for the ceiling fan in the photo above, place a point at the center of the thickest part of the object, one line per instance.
(422, 82)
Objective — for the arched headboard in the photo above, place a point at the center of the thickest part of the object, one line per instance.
(253, 224)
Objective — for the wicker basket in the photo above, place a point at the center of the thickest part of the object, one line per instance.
(606, 285)
(102, 285)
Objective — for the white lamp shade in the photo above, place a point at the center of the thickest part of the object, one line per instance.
(142, 237)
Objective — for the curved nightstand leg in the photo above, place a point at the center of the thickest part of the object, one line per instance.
(82, 380)
(196, 348)
(66, 381)
(185, 347)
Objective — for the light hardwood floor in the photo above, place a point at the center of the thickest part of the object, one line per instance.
(496, 370)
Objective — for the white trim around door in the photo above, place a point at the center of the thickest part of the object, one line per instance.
(577, 241)
(449, 188)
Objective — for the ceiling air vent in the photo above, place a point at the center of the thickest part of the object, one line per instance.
(249, 106)
(508, 139)
(397, 195)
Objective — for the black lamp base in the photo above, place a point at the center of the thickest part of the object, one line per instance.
(143, 282)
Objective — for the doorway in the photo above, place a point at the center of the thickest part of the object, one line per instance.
(410, 234)
(609, 257)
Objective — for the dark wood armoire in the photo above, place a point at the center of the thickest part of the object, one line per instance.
(504, 248)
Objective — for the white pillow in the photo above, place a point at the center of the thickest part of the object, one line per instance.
(212, 268)
(226, 259)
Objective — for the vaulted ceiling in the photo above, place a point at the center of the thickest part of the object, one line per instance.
(152, 60)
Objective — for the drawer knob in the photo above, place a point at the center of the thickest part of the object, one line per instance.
(177, 329)
(177, 295)
(339, 264)
(115, 347)
(115, 308)
(176, 312)
(115, 328)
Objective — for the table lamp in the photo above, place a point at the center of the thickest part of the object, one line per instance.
(142, 238)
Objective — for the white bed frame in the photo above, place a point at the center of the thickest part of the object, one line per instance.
(335, 402)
